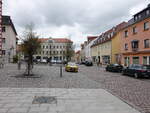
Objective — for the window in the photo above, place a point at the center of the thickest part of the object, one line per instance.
(54, 47)
(126, 46)
(43, 52)
(126, 61)
(135, 18)
(50, 47)
(3, 29)
(57, 47)
(46, 47)
(135, 60)
(146, 25)
(147, 12)
(43, 47)
(139, 16)
(126, 33)
(147, 43)
(135, 44)
(134, 30)
(3, 40)
(145, 58)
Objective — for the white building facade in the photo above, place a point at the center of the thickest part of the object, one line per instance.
(53, 49)
(87, 48)
(9, 39)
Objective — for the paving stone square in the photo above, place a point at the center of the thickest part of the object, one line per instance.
(133, 91)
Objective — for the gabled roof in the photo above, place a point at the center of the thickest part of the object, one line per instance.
(6, 20)
(57, 40)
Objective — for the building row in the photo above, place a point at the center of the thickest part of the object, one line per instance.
(126, 43)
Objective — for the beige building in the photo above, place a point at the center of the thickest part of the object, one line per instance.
(101, 49)
(9, 39)
(54, 49)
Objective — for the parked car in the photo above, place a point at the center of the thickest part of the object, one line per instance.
(71, 67)
(114, 68)
(44, 61)
(53, 61)
(58, 61)
(82, 62)
(137, 70)
(38, 60)
(88, 63)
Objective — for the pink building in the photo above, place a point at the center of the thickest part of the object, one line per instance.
(136, 39)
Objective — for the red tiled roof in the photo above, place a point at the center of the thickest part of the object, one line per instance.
(57, 40)
(120, 26)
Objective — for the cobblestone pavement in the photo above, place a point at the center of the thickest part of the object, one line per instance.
(136, 92)
(20, 100)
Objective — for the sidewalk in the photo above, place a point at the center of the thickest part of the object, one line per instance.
(20, 100)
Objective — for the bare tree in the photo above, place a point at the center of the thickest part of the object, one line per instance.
(30, 46)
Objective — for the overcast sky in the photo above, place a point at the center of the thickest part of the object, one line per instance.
(71, 18)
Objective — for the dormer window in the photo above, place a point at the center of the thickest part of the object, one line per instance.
(147, 12)
(136, 18)
(139, 16)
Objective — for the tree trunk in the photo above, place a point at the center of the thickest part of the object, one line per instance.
(28, 69)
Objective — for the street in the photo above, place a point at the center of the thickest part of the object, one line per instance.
(133, 91)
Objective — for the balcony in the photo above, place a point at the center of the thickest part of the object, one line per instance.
(135, 49)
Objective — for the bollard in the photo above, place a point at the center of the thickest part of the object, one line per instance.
(61, 71)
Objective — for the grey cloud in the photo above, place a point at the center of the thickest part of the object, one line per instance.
(94, 16)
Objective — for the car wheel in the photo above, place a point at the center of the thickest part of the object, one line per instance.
(136, 75)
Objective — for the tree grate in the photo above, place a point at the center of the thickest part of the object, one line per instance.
(44, 100)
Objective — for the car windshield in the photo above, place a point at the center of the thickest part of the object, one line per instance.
(71, 64)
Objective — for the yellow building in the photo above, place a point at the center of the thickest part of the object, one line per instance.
(116, 44)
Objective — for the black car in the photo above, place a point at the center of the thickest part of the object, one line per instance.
(88, 63)
(137, 70)
(114, 67)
